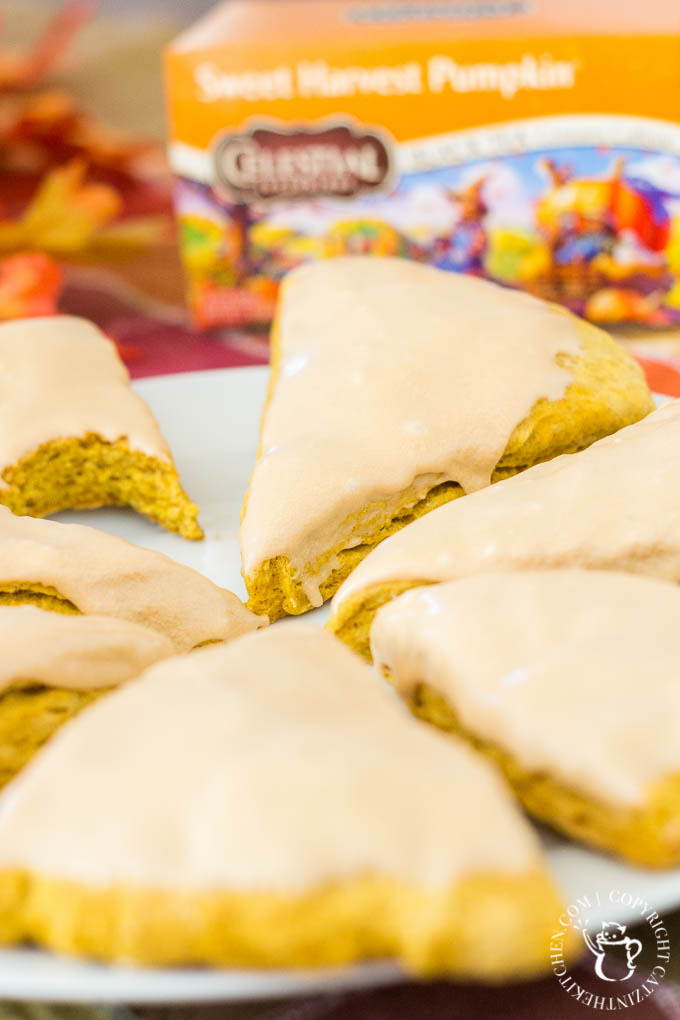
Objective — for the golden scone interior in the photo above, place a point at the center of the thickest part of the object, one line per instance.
(566, 680)
(476, 930)
(74, 434)
(365, 863)
(352, 624)
(88, 472)
(28, 593)
(580, 510)
(29, 715)
(579, 386)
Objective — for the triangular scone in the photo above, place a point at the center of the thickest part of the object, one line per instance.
(566, 678)
(271, 804)
(397, 387)
(52, 666)
(73, 434)
(75, 569)
(616, 506)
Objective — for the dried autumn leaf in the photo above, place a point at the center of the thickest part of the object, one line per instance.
(45, 129)
(69, 216)
(42, 130)
(64, 215)
(30, 283)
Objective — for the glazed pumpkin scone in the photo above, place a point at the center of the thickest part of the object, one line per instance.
(309, 820)
(613, 507)
(70, 568)
(397, 387)
(74, 435)
(568, 679)
(54, 665)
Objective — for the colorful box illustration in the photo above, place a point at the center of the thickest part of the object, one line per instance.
(534, 142)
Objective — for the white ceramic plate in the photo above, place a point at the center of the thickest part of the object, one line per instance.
(211, 422)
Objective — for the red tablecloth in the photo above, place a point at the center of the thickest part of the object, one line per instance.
(155, 338)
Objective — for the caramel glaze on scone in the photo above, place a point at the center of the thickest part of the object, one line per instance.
(73, 432)
(71, 568)
(616, 506)
(282, 810)
(53, 665)
(396, 387)
(568, 679)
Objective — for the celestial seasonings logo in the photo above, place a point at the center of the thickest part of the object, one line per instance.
(334, 159)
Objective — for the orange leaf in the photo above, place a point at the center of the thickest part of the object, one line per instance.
(30, 284)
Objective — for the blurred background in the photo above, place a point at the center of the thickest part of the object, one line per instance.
(86, 218)
(113, 62)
